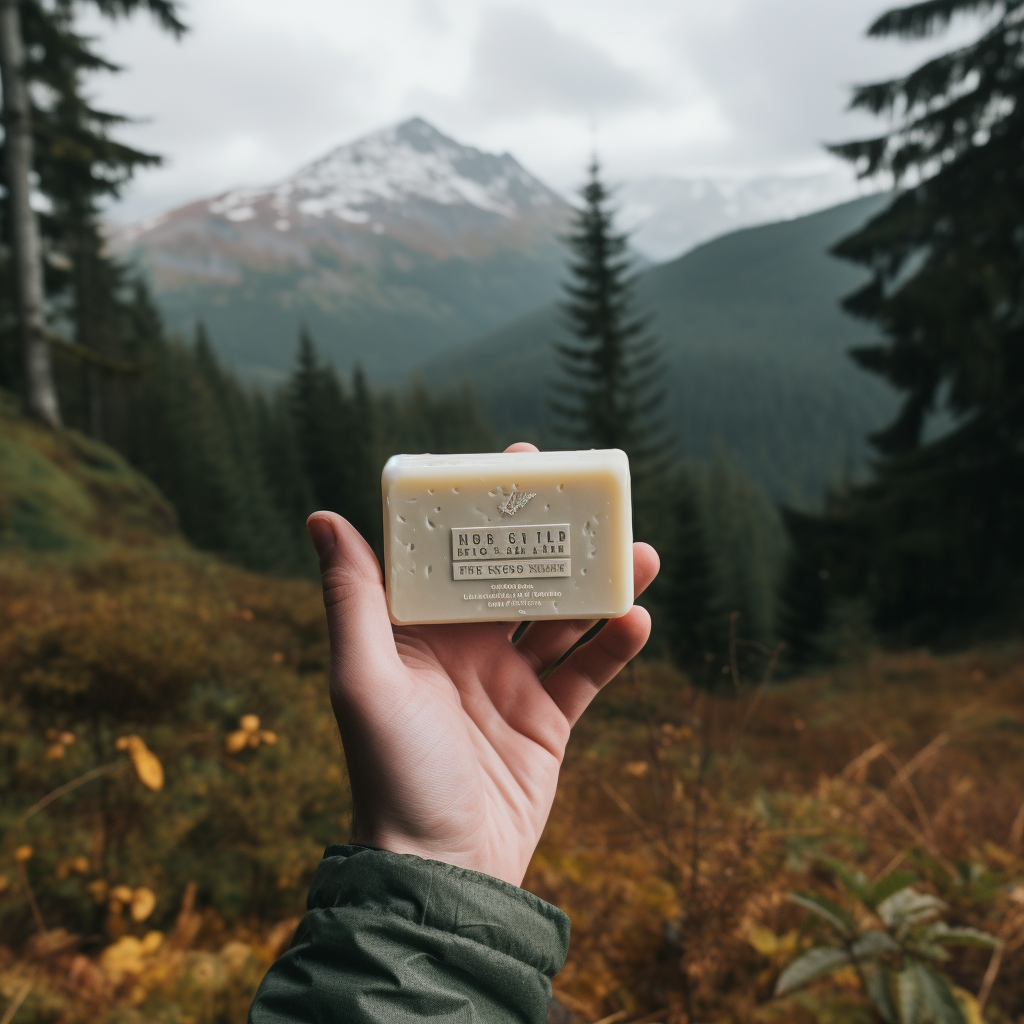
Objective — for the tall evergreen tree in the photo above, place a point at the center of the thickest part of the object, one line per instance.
(53, 130)
(335, 438)
(607, 394)
(934, 541)
(607, 397)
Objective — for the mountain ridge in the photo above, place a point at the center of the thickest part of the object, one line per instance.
(389, 248)
(756, 356)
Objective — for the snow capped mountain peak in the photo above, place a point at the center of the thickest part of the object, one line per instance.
(408, 163)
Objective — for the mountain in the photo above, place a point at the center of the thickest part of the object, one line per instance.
(391, 248)
(755, 349)
(667, 217)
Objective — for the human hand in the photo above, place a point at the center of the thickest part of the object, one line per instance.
(452, 740)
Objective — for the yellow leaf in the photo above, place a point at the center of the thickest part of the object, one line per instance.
(968, 1006)
(152, 941)
(67, 738)
(80, 864)
(763, 940)
(123, 959)
(268, 737)
(638, 769)
(98, 890)
(236, 741)
(147, 765)
(23, 854)
(124, 742)
(250, 723)
(55, 751)
(5, 883)
(142, 903)
(122, 893)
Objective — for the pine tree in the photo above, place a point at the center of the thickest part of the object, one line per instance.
(336, 440)
(53, 131)
(934, 540)
(607, 397)
(607, 394)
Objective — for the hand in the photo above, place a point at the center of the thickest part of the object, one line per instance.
(453, 743)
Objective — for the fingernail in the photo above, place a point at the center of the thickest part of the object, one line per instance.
(321, 533)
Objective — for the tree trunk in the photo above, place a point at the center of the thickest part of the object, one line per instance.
(28, 268)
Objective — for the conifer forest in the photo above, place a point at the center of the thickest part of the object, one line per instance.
(803, 802)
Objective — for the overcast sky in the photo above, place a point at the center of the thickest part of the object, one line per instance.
(664, 87)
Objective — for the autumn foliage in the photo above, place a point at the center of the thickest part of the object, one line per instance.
(170, 774)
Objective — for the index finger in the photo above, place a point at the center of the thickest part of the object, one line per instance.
(522, 446)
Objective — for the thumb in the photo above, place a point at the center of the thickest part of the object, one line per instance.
(357, 613)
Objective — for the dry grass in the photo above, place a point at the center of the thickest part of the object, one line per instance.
(682, 821)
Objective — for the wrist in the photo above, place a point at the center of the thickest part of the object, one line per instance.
(501, 867)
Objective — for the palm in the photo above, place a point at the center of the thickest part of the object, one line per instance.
(453, 742)
(491, 747)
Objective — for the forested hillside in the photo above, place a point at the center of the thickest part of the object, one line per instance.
(390, 249)
(756, 351)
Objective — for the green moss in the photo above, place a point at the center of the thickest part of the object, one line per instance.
(63, 492)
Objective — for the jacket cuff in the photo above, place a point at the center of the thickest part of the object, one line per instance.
(438, 896)
(394, 938)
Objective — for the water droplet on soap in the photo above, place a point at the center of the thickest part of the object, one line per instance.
(547, 508)
(411, 547)
(402, 519)
(583, 572)
(455, 490)
(438, 509)
(410, 501)
(561, 487)
(430, 525)
(429, 491)
(430, 569)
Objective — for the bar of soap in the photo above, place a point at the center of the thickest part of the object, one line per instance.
(509, 536)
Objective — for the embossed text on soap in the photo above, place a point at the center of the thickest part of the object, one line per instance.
(471, 543)
(521, 568)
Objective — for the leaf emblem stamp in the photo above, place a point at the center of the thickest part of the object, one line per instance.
(514, 502)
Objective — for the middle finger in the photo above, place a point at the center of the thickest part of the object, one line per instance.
(544, 642)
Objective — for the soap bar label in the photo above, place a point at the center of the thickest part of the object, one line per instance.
(520, 569)
(473, 543)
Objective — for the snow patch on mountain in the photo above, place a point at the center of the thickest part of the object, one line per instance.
(406, 163)
(669, 216)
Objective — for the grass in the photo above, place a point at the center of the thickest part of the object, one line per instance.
(683, 819)
(63, 492)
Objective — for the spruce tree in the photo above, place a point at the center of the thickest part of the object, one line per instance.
(607, 397)
(607, 394)
(335, 437)
(934, 540)
(55, 133)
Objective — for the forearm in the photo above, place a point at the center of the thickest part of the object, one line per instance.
(395, 938)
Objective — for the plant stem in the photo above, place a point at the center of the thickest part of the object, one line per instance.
(93, 773)
(31, 896)
(15, 1004)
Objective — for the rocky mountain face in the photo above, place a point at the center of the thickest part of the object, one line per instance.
(390, 249)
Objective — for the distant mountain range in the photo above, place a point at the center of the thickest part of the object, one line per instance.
(667, 217)
(406, 251)
(391, 248)
(756, 353)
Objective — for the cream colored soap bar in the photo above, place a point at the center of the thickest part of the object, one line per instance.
(516, 536)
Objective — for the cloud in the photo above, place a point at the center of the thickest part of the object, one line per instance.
(522, 65)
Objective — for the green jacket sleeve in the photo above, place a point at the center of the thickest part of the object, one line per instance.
(394, 939)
